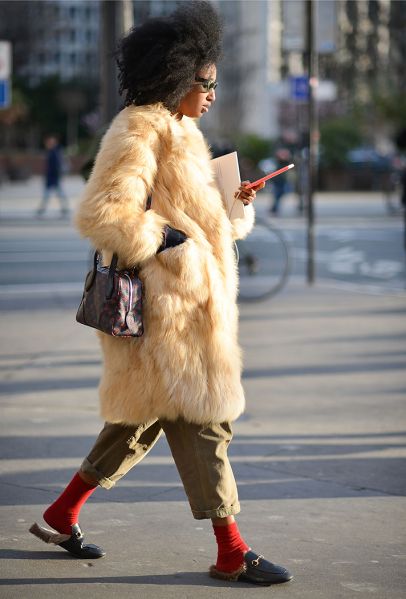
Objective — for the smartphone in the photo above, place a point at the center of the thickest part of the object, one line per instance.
(270, 176)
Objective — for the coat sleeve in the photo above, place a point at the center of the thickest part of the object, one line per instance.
(112, 211)
(241, 227)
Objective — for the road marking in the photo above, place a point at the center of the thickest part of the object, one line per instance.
(349, 261)
(38, 288)
(360, 587)
(52, 256)
(381, 269)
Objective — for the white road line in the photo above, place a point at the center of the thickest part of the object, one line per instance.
(74, 288)
(7, 291)
(51, 256)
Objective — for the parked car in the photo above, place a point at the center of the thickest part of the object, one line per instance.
(368, 157)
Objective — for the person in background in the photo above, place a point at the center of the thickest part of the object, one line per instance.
(53, 175)
(280, 183)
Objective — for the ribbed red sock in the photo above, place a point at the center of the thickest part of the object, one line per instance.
(64, 512)
(231, 547)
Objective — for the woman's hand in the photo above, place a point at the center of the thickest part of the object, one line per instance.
(248, 195)
(171, 238)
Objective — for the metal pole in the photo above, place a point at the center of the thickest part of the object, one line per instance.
(116, 19)
(311, 60)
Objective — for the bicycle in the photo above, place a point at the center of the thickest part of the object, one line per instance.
(263, 262)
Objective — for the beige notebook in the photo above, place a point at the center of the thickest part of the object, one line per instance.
(227, 174)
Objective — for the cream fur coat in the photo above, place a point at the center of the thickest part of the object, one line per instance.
(188, 362)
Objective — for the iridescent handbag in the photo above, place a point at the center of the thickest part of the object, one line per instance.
(112, 300)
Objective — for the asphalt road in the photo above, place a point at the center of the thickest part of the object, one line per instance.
(358, 244)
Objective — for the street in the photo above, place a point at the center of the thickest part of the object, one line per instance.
(358, 245)
(319, 454)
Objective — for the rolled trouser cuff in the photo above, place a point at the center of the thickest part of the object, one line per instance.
(88, 469)
(222, 512)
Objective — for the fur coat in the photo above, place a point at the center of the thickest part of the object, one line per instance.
(188, 362)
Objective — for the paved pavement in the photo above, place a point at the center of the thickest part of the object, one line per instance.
(319, 454)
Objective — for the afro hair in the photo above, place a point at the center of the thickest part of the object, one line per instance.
(158, 60)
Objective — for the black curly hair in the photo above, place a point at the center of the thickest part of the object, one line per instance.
(158, 60)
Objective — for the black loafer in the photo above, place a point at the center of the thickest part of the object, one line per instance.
(255, 570)
(73, 543)
(76, 546)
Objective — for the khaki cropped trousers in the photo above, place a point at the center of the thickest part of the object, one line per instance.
(199, 452)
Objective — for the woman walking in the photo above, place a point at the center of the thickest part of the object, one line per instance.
(184, 375)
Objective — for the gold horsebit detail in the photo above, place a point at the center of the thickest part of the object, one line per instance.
(255, 562)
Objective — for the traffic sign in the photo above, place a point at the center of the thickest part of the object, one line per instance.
(299, 88)
(5, 93)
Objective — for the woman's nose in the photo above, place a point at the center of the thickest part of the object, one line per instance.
(212, 95)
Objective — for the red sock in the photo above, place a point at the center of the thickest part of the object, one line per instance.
(231, 547)
(64, 512)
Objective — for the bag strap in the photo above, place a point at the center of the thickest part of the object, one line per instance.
(90, 281)
(113, 263)
(110, 279)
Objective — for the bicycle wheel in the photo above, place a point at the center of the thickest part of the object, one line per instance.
(263, 263)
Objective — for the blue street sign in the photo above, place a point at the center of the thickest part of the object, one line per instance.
(5, 95)
(299, 88)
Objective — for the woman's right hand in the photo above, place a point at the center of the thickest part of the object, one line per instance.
(172, 238)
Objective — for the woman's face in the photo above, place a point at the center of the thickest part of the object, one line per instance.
(198, 99)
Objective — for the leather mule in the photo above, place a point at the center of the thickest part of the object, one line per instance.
(73, 543)
(255, 570)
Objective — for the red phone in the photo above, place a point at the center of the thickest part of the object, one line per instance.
(270, 176)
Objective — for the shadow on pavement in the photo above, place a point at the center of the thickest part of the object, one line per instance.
(46, 384)
(199, 579)
(23, 554)
(74, 446)
(266, 468)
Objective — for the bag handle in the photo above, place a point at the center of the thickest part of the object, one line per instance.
(113, 263)
(110, 279)
(90, 282)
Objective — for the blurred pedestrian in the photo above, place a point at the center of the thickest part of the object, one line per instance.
(280, 183)
(401, 144)
(54, 167)
(183, 376)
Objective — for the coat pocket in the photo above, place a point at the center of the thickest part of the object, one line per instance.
(181, 270)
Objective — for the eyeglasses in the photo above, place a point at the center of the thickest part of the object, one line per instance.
(208, 85)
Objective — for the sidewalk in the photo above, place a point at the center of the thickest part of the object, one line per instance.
(319, 454)
(319, 457)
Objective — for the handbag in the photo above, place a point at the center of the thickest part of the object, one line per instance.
(112, 298)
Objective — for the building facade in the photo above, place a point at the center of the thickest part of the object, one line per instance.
(62, 37)
(59, 37)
